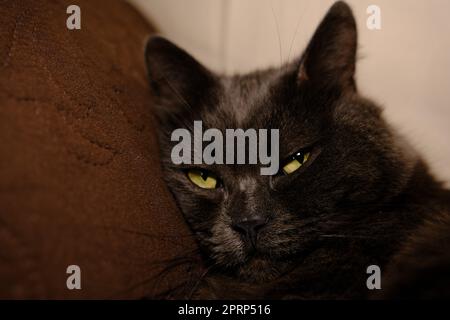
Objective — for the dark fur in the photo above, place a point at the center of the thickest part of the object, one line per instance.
(363, 198)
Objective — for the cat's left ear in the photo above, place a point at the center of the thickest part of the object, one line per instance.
(178, 81)
(331, 54)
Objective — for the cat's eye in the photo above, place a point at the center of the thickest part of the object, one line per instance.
(202, 179)
(296, 161)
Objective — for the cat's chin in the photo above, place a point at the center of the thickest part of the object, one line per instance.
(259, 269)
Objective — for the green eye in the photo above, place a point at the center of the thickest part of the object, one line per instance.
(295, 162)
(202, 179)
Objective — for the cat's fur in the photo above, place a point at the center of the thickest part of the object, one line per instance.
(366, 197)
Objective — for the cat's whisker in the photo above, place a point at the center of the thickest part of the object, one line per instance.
(170, 265)
(169, 238)
(278, 32)
(345, 236)
(178, 94)
(295, 35)
(198, 282)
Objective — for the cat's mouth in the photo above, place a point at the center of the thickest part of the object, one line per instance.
(257, 264)
(254, 257)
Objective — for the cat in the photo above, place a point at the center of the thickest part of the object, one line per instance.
(351, 192)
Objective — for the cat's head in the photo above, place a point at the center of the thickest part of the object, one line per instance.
(340, 157)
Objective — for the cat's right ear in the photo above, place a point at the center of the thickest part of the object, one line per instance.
(330, 56)
(177, 80)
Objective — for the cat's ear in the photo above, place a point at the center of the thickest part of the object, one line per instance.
(177, 80)
(330, 56)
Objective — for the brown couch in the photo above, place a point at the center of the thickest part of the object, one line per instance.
(80, 181)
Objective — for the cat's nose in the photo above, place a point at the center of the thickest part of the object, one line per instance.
(250, 227)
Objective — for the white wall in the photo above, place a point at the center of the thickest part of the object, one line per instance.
(405, 66)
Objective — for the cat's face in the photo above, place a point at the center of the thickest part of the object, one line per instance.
(255, 225)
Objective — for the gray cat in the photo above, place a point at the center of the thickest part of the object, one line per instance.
(350, 192)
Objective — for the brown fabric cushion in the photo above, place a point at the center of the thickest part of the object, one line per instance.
(80, 181)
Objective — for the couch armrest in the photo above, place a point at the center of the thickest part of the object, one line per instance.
(80, 180)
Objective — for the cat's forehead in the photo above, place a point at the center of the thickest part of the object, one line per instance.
(265, 100)
(245, 100)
